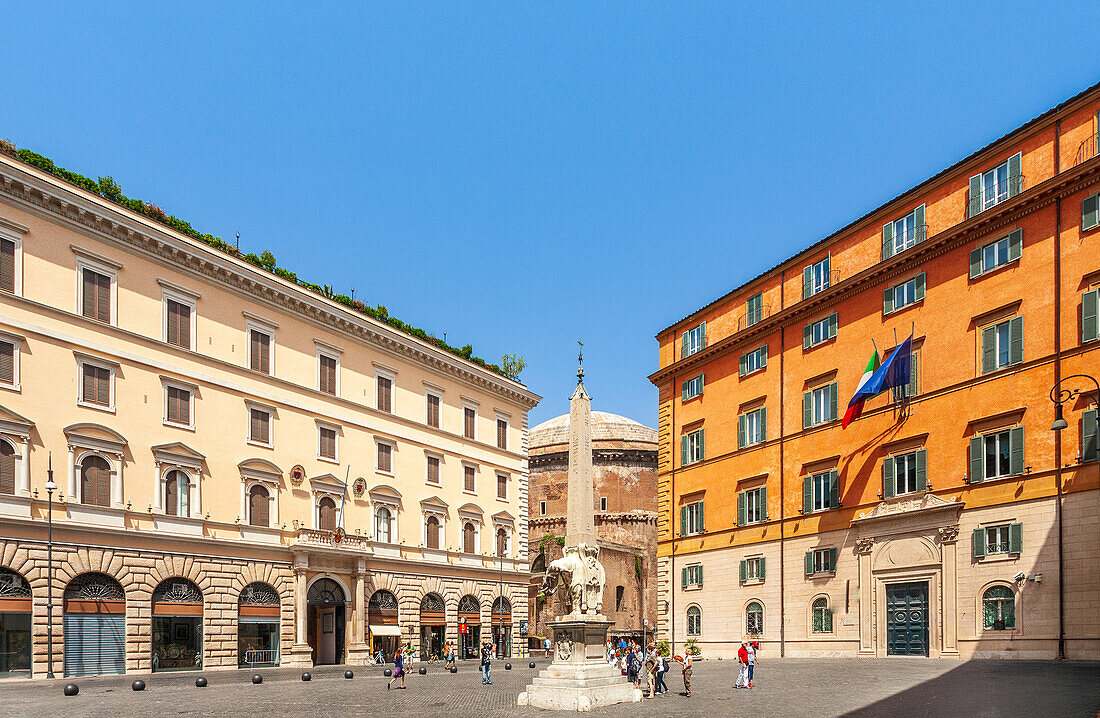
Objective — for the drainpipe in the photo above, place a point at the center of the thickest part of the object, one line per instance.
(1058, 434)
(782, 495)
(672, 512)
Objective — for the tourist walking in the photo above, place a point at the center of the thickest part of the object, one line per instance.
(398, 669)
(486, 664)
(742, 666)
(650, 671)
(687, 673)
(633, 668)
(751, 650)
(662, 669)
(449, 653)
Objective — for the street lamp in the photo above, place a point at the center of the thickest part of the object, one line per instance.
(1060, 396)
(50, 488)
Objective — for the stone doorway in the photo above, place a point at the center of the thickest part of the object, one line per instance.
(907, 619)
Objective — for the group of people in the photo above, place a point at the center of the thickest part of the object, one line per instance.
(636, 663)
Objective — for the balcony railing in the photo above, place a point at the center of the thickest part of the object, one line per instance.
(748, 319)
(992, 196)
(320, 537)
(901, 242)
(1088, 149)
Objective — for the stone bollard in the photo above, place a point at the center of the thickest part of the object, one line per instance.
(257, 679)
(200, 682)
(138, 685)
(307, 676)
(423, 671)
(531, 664)
(349, 675)
(71, 689)
(387, 673)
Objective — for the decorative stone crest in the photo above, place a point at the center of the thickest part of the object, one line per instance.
(864, 546)
(565, 645)
(297, 475)
(359, 487)
(949, 534)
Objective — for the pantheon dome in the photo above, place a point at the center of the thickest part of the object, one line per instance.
(605, 427)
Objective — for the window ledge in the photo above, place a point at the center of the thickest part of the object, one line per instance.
(693, 587)
(904, 307)
(378, 471)
(468, 493)
(752, 582)
(823, 574)
(10, 387)
(995, 270)
(999, 557)
(327, 460)
(260, 444)
(830, 340)
(97, 407)
(173, 425)
(754, 371)
(691, 398)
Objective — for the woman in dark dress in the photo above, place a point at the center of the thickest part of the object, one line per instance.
(398, 668)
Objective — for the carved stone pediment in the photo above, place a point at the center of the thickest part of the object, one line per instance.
(908, 513)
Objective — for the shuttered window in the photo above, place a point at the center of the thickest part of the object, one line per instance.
(502, 434)
(433, 410)
(752, 506)
(1090, 213)
(469, 476)
(903, 233)
(327, 442)
(902, 295)
(502, 486)
(326, 514)
(819, 332)
(996, 254)
(752, 361)
(259, 351)
(1002, 344)
(822, 560)
(95, 481)
(997, 455)
(816, 278)
(751, 569)
(327, 367)
(96, 295)
(176, 494)
(993, 540)
(691, 388)
(1090, 321)
(7, 265)
(431, 530)
(752, 427)
(7, 468)
(905, 474)
(469, 537)
(692, 519)
(821, 491)
(258, 506)
(7, 363)
(179, 323)
(692, 575)
(694, 340)
(95, 385)
(1090, 440)
(179, 406)
(754, 309)
(996, 185)
(385, 394)
(469, 422)
(385, 458)
(259, 425)
(819, 405)
(433, 470)
(692, 447)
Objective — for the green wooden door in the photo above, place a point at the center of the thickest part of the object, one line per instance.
(907, 619)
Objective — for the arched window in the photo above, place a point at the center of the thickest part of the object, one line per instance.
(694, 621)
(326, 514)
(7, 468)
(431, 526)
(177, 492)
(259, 506)
(382, 524)
(95, 481)
(823, 616)
(502, 542)
(998, 609)
(754, 618)
(468, 536)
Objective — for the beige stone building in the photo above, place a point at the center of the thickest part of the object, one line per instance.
(248, 473)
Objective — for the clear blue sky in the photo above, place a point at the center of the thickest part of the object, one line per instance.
(522, 175)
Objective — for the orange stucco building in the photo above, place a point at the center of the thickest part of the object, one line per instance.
(957, 523)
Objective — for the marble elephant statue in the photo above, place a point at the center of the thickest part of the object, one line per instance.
(577, 578)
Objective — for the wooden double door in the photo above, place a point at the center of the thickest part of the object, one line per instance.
(907, 619)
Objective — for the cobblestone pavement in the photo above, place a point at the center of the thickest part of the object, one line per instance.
(785, 687)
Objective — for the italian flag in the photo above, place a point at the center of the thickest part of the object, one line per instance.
(855, 406)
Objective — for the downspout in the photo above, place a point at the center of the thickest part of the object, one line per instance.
(671, 506)
(1057, 378)
(782, 495)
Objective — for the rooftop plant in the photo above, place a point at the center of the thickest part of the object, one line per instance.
(107, 188)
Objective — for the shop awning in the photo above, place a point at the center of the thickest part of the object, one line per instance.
(385, 630)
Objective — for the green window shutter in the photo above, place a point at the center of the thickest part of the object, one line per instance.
(888, 240)
(763, 356)
(684, 347)
(809, 563)
(922, 469)
(1015, 538)
(975, 262)
(699, 575)
(807, 281)
(1016, 450)
(834, 489)
(1090, 310)
(888, 484)
(1090, 212)
(763, 423)
(684, 528)
(701, 383)
(762, 562)
(764, 501)
(1089, 436)
(702, 518)
(807, 409)
(920, 286)
(702, 334)
(741, 509)
(832, 559)
(832, 401)
(1015, 245)
(989, 349)
(807, 494)
(702, 444)
(978, 543)
(742, 438)
(1015, 174)
(807, 335)
(975, 195)
(920, 228)
(888, 300)
(977, 461)
(1015, 340)
(683, 577)
(683, 450)
(743, 365)
(744, 570)
(832, 325)
(684, 391)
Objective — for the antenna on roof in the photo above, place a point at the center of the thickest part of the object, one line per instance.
(238, 241)
(353, 292)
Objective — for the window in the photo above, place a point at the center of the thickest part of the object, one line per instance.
(259, 506)
(502, 433)
(620, 594)
(326, 448)
(328, 369)
(469, 537)
(821, 560)
(753, 361)
(691, 576)
(384, 462)
(1002, 344)
(1003, 539)
(694, 621)
(385, 393)
(997, 455)
(9, 363)
(998, 609)
(904, 474)
(821, 492)
(819, 332)
(431, 532)
(815, 278)
(752, 506)
(502, 486)
(95, 295)
(691, 388)
(433, 470)
(694, 340)
(1090, 437)
(691, 519)
(1090, 213)
(469, 422)
(1090, 308)
(11, 251)
(994, 186)
(469, 477)
(433, 404)
(177, 492)
(996, 254)
(95, 481)
(259, 351)
(752, 427)
(901, 234)
(691, 447)
(542, 508)
(502, 542)
(754, 309)
(904, 294)
(754, 618)
(603, 503)
(177, 405)
(822, 616)
(259, 426)
(819, 405)
(382, 523)
(178, 316)
(96, 385)
(913, 387)
(7, 468)
(752, 569)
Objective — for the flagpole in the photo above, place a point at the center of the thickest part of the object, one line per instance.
(344, 499)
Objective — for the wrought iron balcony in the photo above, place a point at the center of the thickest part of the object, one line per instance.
(1088, 149)
(901, 242)
(992, 196)
(749, 318)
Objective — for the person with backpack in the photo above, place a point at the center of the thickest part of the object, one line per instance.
(662, 669)
(632, 666)
(486, 664)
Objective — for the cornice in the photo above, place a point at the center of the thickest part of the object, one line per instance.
(94, 217)
(1041, 195)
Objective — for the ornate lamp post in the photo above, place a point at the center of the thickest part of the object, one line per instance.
(50, 488)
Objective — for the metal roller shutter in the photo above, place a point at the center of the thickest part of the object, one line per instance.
(95, 644)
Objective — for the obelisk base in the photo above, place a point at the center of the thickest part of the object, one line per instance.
(580, 678)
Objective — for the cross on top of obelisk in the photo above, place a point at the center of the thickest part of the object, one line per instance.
(580, 362)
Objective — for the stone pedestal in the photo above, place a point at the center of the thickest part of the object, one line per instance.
(580, 678)
(299, 656)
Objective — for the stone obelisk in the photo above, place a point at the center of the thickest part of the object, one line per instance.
(580, 678)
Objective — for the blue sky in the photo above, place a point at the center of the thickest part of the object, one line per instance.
(522, 175)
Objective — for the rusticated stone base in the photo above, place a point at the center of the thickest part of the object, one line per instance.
(299, 656)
